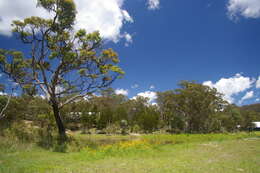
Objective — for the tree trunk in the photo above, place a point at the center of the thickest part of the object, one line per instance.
(59, 123)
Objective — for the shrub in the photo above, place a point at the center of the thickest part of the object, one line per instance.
(62, 148)
(46, 139)
(113, 129)
(136, 129)
(123, 125)
(20, 131)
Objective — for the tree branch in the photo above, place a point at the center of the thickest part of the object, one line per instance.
(2, 115)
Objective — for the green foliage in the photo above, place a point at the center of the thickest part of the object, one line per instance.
(113, 129)
(191, 108)
(19, 131)
(57, 53)
(3, 101)
(124, 125)
(226, 156)
(191, 153)
(111, 113)
(46, 138)
(88, 119)
(61, 148)
(252, 107)
(136, 129)
(148, 120)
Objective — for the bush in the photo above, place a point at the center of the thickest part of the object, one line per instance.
(62, 148)
(136, 129)
(46, 139)
(113, 129)
(123, 125)
(73, 126)
(20, 131)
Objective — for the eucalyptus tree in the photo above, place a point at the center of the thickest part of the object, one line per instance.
(191, 108)
(63, 64)
(199, 105)
(165, 101)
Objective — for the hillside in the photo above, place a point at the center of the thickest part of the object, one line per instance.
(252, 107)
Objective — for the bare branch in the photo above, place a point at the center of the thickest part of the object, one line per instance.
(2, 115)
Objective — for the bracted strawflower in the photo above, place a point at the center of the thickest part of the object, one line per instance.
(106, 148)
(134, 144)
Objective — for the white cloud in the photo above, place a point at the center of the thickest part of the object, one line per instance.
(3, 93)
(257, 100)
(152, 96)
(59, 89)
(17, 10)
(42, 96)
(245, 8)
(135, 86)
(152, 87)
(121, 91)
(258, 83)
(127, 16)
(153, 4)
(229, 87)
(128, 39)
(107, 16)
(247, 96)
(155, 104)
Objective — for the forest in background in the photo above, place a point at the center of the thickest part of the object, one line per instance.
(192, 108)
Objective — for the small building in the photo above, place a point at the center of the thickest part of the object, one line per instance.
(256, 126)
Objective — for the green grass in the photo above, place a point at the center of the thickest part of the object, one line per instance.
(214, 153)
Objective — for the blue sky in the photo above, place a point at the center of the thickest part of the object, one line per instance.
(161, 42)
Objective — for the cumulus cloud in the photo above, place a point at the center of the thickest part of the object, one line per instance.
(3, 93)
(153, 4)
(257, 100)
(229, 87)
(248, 95)
(127, 16)
(128, 39)
(152, 96)
(152, 87)
(134, 86)
(121, 91)
(245, 8)
(107, 16)
(17, 10)
(258, 83)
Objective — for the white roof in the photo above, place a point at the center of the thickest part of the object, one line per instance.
(257, 124)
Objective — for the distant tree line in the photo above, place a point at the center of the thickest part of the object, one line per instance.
(192, 108)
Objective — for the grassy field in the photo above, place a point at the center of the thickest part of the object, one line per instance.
(214, 153)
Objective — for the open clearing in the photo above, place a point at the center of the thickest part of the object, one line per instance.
(136, 156)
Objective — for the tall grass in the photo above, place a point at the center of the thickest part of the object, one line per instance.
(191, 138)
(101, 145)
(16, 139)
(101, 153)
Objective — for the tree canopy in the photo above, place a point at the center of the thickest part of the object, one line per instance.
(192, 107)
